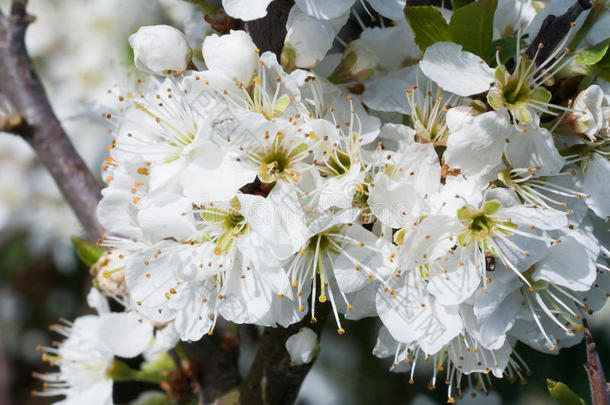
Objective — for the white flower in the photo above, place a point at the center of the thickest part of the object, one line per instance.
(588, 115)
(241, 82)
(160, 49)
(521, 92)
(357, 64)
(345, 257)
(86, 355)
(302, 346)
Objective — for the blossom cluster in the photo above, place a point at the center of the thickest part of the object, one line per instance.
(460, 199)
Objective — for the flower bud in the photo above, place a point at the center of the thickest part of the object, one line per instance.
(302, 346)
(160, 50)
(9, 116)
(358, 64)
(109, 273)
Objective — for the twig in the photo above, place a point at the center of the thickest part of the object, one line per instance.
(216, 359)
(553, 30)
(5, 377)
(272, 379)
(268, 33)
(40, 127)
(595, 371)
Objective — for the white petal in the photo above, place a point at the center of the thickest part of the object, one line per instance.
(394, 46)
(324, 9)
(454, 280)
(596, 177)
(214, 176)
(540, 218)
(97, 301)
(246, 10)
(302, 346)
(233, 54)
(394, 203)
(392, 9)
(309, 37)
(477, 147)
(456, 71)
(442, 327)
(165, 339)
(493, 330)
(126, 334)
(534, 149)
(166, 216)
(567, 264)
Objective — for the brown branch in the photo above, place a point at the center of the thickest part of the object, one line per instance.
(553, 30)
(40, 127)
(268, 33)
(5, 376)
(216, 360)
(272, 379)
(595, 371)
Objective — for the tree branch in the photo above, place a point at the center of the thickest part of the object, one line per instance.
(40, 127)
(595, 371)
(553, 30)
(268, 33)
(272, 379)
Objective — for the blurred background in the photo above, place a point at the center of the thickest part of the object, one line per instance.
(81, 51)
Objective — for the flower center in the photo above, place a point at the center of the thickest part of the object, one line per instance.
(481, 225)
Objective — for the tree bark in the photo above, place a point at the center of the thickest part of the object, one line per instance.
(595, 371)
(40, 127)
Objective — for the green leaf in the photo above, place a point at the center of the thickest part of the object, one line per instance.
(460, 3)
(428, 25)
(593, 55)
(562, 393)
(602, 67)
(88, 252)
(507, 48)
(472, 26)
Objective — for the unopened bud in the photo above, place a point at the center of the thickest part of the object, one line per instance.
(302, 346)
(160, 50)
(9, 116)
(358, 64)
(109, 273)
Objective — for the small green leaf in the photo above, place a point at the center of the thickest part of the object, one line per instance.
(472, 26)
(593, 55)
(428, 25)
(460, 3)
(88, 252)
(562, 393)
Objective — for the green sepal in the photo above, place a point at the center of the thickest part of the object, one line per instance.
(89, 253)
(491, 207)
(119, 371)
(562, 393)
